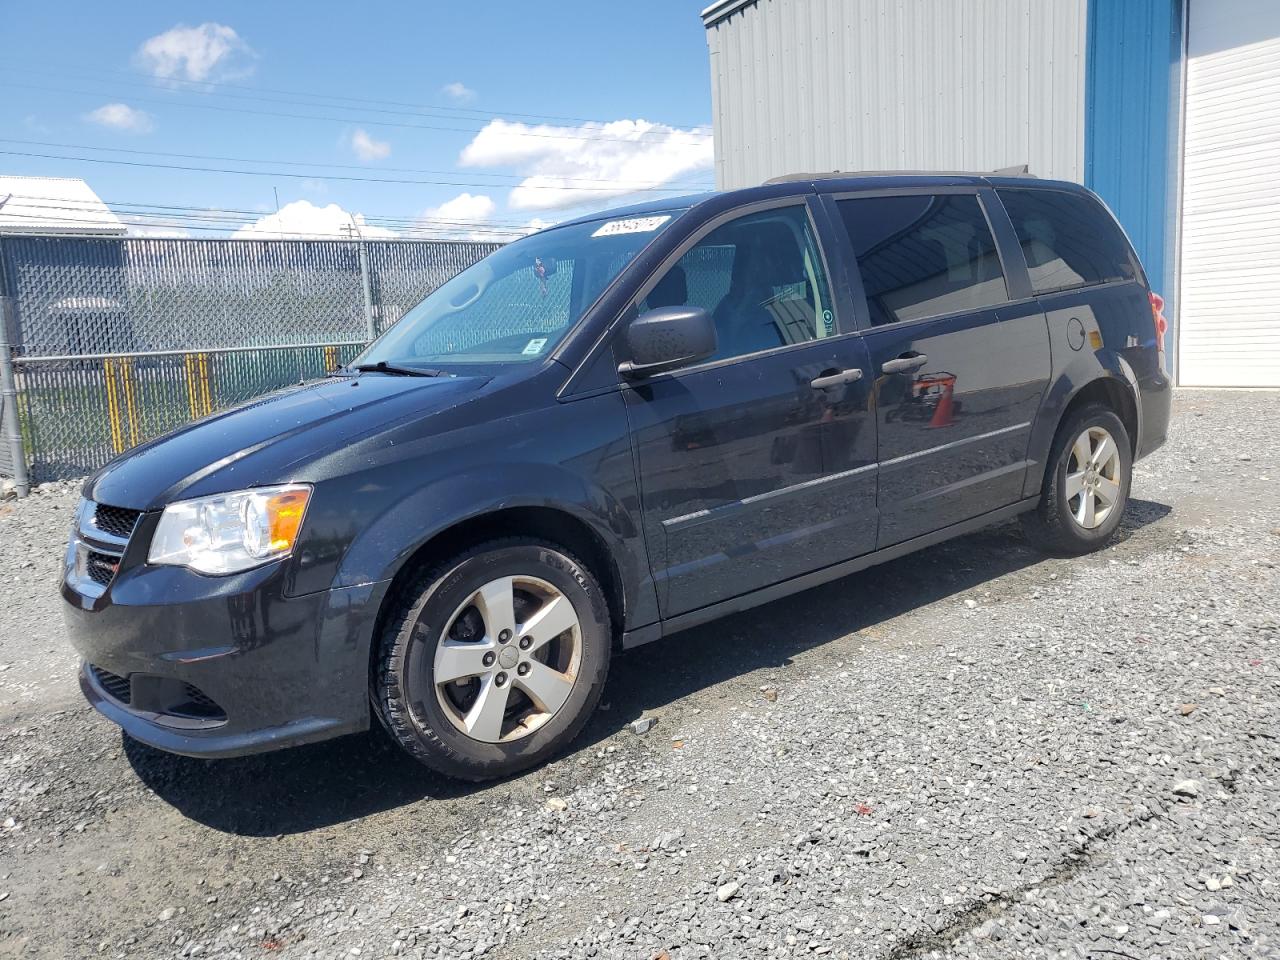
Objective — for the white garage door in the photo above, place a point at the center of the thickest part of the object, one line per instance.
(1230, 305)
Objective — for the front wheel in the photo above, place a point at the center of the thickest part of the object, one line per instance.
(1086, 484)
(494, 661)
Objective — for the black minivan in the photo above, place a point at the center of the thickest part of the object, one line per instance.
(609, 431)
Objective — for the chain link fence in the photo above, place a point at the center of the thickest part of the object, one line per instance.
(117, 341)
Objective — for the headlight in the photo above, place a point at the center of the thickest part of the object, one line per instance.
(230, 532)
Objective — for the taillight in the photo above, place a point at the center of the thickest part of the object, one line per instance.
(1161, 324)
(1157, 315)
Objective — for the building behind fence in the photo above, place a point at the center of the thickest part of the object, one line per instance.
(108, 342)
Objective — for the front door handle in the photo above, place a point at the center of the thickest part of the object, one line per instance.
(852, 375)
(904, 364)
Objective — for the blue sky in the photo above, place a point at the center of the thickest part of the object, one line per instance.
(539, 105)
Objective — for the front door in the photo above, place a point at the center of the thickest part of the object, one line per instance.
(958, 370)
(737, 492)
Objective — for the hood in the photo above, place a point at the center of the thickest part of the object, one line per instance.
(270, 439)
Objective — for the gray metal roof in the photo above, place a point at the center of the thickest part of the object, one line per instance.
(721, 9)
(54, 205)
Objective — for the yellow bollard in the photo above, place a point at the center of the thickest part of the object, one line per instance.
(130, 399)
(330, 359)
(203, 361)
(113, 405)
(189, 361)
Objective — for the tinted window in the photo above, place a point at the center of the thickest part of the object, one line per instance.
(1068, 239)
(515, 304)
(923, 256)
(761, 279)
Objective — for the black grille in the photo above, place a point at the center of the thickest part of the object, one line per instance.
(116, 521)
(101, 567)
(117, 687)
(199, 704)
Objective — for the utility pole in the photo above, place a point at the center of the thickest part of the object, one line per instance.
(366, 285)
(279, 226)
(10, 427)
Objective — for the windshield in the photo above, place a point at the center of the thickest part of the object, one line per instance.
(517, 303)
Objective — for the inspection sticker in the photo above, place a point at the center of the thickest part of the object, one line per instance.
(534, 347)
(634, 225)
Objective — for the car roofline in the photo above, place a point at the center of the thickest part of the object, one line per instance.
(830, 182)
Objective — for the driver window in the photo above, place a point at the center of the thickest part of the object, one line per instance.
(760, 277)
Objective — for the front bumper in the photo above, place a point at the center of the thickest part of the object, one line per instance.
(223, 666)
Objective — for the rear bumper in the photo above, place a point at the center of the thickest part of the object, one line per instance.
(224, 666)
(1155, 403)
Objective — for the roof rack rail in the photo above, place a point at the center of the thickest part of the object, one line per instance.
(1020, 170)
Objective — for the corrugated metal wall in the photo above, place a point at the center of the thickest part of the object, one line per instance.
(1131, 127)
(1230, 332)
(813, 85)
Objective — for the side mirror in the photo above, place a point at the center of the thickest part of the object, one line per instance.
(667, 338)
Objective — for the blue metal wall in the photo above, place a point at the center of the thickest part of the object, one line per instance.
(1133, 100)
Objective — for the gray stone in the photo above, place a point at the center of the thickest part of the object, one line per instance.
(727, 891)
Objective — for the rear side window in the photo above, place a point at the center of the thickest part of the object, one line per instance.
(923, 255)
(1068, 239)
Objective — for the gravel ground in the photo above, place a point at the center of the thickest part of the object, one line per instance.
(974, 752)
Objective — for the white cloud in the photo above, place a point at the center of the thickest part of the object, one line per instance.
(465, 217)
(465, 207)
(536, 224)
(568, 166)
(302, 219)
(159, 229)
(211, 51)
(367, 148)
(458, 91)
(470, 217)
(121, 116)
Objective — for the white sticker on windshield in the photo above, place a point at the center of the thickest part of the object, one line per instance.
(534, 347)
(634, 225)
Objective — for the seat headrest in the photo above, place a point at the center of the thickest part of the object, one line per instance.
(671, 291)
(767, 256)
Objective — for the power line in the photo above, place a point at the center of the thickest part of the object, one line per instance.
(300, 163)
(590, 138)
(176, 214)
(424, 233)
(201, 86)
(312, 176)
(242, 216)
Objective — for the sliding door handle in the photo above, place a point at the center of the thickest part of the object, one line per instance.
(852, 375)
(905, 364)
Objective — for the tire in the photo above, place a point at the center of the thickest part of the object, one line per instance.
(1060, 523)
(441, 626)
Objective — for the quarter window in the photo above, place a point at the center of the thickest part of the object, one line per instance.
(761, 279)
(923, 255)
(1068, 239)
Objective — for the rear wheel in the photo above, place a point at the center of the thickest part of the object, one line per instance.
(1086, 484)
(494, 661)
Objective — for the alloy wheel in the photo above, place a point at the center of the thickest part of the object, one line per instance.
(1093, 477)
(508, 659)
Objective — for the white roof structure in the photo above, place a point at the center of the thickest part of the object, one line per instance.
(54, 205)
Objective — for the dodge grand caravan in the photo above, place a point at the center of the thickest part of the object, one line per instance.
(607, 432)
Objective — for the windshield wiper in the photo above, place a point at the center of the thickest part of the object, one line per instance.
(390, 368)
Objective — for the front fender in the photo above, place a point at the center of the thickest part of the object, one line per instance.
(380, 551)
(394, 493)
